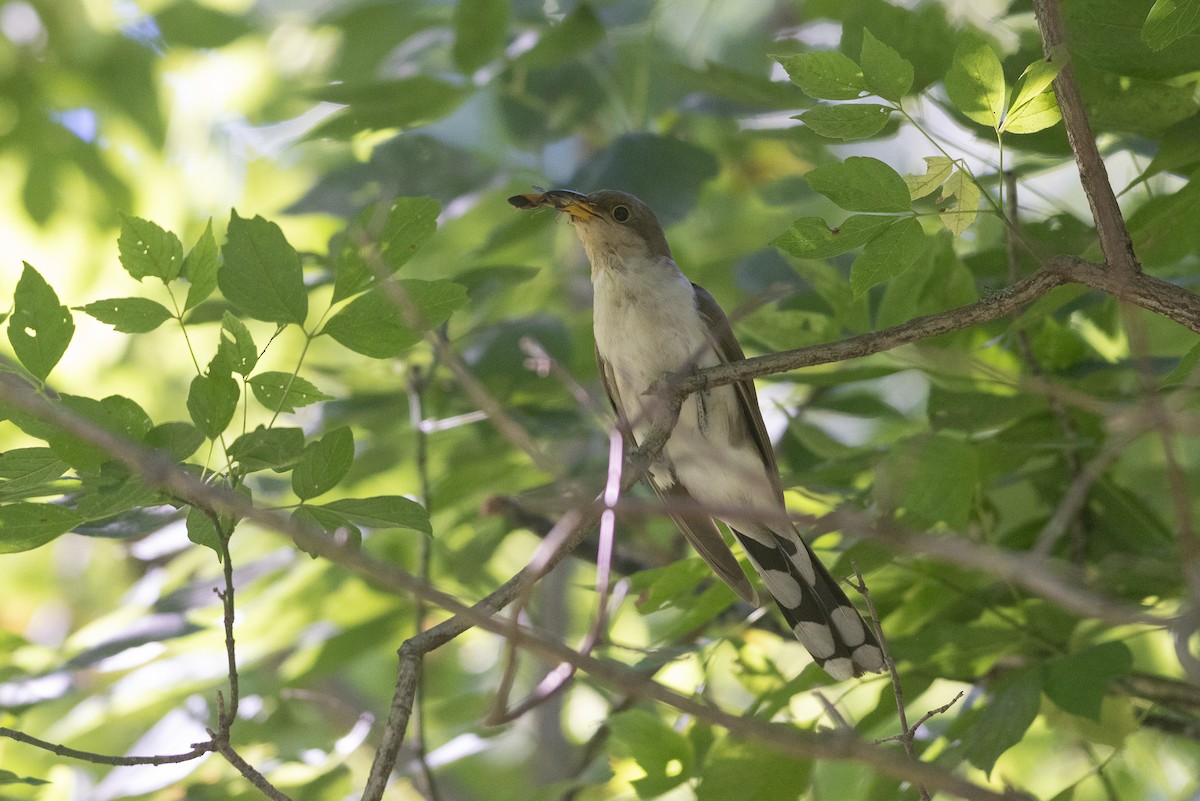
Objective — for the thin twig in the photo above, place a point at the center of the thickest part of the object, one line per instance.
(906, 734)
(228, 714)
(198, 750)
(940, 710)
(222, 746)
(416, 395)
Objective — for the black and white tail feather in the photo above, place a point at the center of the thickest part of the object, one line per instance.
(813, 603)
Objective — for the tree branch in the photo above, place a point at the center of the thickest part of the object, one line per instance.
(198, 750)
(995, 305)
(1115, 241)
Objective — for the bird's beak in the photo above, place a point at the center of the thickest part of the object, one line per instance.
(573, 203)
(580, 210)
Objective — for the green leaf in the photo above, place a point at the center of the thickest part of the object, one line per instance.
(480, 30)
(8, 777)
(285, 392)
(108, 499)
(382, 511)
(937, 170)
(329, 522)
(200, 268)
(1184, 372)
(861, 183)
(664, 755)
(975, 82)
(738, 770)
(323, 464)
(1078, 683)
(236, 349)
(744, 88)
(25, 526)
(128, 315)
(1038, 114)
(190, 24)
(148, 250)
(1170, 20)
(811, 238)
(1037, 78)
(202, 531)
(1163, 230)
(212, 400)
(375, 326)
(179, 439)
(1033, 107)
(977, 411)
(1004, 721)
(662, 587)
(886, 72)
(261, 275)
(267, 448)
(965, 191)
(39, 328)
(1139, 106)
(780, 329)
(932, 478)
(29, 473)
(117, 414)
(824, 75)
(850, 311)
(888, 255)
(375, 246)
(849, 121)
(578, 32)
(378, 105)
(1108, 34)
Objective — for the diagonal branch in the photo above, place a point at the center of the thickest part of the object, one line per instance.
(1150, 293)
(1115, 242)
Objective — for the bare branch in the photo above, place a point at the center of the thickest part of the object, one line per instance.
(198, 750)
(1032, 572)
(998, 304)
(228, 714)
(416, 402)
(1152, 294)
(1115, 242)
(221, 745)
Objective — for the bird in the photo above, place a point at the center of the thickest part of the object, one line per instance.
(649, 319)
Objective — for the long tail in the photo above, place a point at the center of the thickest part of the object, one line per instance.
(813, 603)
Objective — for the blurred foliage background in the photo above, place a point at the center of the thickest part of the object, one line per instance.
(308, 113)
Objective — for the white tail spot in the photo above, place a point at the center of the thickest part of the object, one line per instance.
(816, 637)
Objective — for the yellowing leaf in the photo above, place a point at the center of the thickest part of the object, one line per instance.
(937, 170)
(962, 187)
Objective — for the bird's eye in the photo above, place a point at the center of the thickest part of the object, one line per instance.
(621, 213)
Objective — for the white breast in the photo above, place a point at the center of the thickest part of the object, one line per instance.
(647, 324)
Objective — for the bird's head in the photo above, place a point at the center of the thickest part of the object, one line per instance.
(616, 228)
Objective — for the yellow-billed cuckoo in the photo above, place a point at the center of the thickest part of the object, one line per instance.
(649, 319)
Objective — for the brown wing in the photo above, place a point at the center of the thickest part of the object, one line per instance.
(728, 350)
(697, 528)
